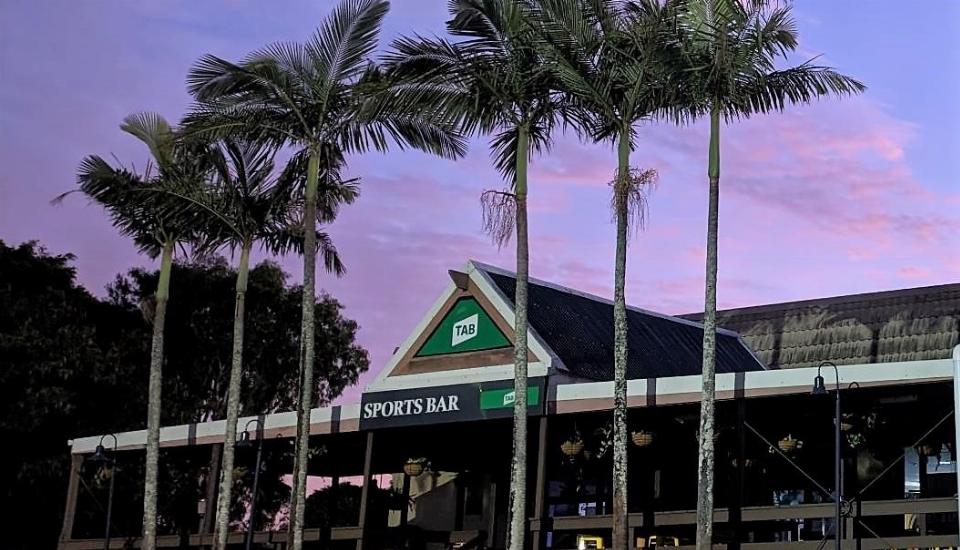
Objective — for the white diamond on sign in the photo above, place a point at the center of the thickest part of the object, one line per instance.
(464, 330)
(509, 398)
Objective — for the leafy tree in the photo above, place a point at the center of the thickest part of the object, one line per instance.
(324, 98)
(730, 52)
(493, 81)
(66, 361)
(609, 58)
(147, 219)
(72, 365)
(198, 367)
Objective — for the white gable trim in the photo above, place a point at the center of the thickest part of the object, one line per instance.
(547, 358)
(534, 343)
(412, 338)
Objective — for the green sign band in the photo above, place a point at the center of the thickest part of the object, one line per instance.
(504, 398)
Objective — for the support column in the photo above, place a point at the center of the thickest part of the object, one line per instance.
(326, 531)
(73, 487)
(956, 422)
(538, 536)
(736, 503)
(212, 492)
(365, 491)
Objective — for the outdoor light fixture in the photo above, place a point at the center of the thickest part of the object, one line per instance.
(245, 443)
(100, 458)
(820, 388)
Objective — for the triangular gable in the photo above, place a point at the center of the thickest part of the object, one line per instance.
(467, 336)
(466, 327)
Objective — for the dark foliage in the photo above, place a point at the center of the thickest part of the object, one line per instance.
(73, 365)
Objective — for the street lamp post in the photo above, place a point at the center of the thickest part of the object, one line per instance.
(819, 388)
(245, 442)
(100, 457)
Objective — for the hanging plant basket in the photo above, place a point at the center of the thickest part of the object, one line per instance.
(572, 447)
(414, 466)
(642, 438)
(789, 444)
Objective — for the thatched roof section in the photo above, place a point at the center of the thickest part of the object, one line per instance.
(899, 325)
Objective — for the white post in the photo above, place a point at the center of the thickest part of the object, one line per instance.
(956, 421)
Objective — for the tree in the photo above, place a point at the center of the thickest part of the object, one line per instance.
(198, 368)
(324, 98)
(147, 219)
(493, 81)
(730, 51)
(63, 355)
(76, 365)
(607, 56)
(249, 206)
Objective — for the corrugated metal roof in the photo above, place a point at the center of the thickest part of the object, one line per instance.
(879, 327)
(579, 329)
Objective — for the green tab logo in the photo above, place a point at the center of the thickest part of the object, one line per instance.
(466, 327)
(505, 398)
(464, 330)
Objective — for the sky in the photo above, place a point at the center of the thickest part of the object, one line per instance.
(838, 197)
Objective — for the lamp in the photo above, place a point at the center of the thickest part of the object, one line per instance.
(100, 458)
(820, 388)
(245, 443)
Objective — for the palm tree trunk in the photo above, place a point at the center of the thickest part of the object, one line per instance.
(518, 472)
(153, 400)
(307, 350)
(620, 349)
(706, 458)
(233, 403)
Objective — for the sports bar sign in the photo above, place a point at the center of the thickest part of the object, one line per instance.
(441, 404)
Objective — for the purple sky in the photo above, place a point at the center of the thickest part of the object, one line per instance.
(835, 198)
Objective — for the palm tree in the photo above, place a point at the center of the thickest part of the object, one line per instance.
(606, 55)
(493, 81)
(248, 205)
(156, 230)
(730, 51)
(324, 98)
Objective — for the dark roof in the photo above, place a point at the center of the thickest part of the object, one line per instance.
(879, 327)
(579, 329)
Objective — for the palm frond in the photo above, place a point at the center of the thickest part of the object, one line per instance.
(343, 43)
(155, 132)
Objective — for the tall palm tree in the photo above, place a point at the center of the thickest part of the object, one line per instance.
(493, 81)
(148, 219)
(324, 98)
(606, 55)
(731, 49)
(248, 205)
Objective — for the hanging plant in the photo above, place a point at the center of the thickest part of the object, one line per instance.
(604, 438)
(642, 438)
(788, 444)
(572, 446)
(856, 440)
(414, 466)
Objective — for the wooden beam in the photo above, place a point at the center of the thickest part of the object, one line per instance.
(197, 541)
(73, 488)
(761, 513)
(365, 491)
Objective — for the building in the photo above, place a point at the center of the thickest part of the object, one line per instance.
(423, 460)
